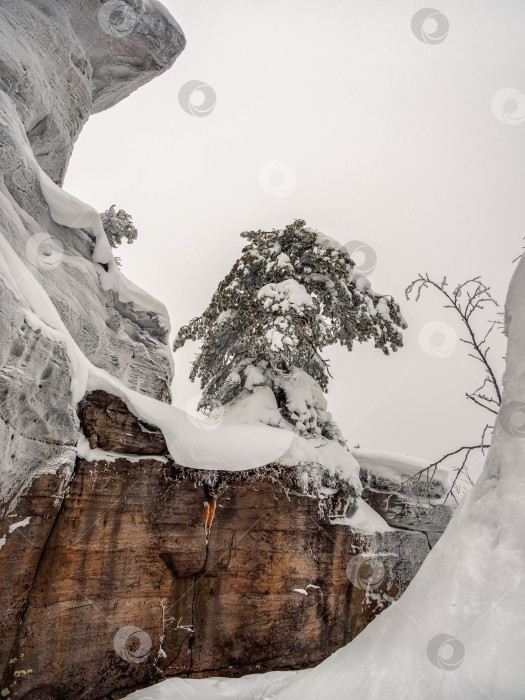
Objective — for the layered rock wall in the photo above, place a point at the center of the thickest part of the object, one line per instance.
(117, 565)
(151, 570)
(60, 62)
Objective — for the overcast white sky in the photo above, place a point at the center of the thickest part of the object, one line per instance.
(389, 140)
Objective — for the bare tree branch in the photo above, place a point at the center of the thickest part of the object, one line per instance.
(467, 299)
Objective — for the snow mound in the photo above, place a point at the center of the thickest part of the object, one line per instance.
(253, 687)
(285, 296)
(258, 406)
(334, 459)
(389, 470)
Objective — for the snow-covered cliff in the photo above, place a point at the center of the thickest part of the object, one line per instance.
(60, 62)
(457, 632)
(71, 323)
(63, 61)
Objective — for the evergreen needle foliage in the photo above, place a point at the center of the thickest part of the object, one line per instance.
(118, 226)
(292, 293)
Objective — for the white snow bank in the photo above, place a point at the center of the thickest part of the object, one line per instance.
(399, 467)
(249, 687)
(69, 211)
(258, 406)
(329, 454)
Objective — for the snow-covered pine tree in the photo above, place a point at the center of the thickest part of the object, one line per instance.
(118, 226)
(292, 293)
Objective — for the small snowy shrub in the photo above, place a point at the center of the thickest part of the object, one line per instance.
(118, 226)
(292, 293)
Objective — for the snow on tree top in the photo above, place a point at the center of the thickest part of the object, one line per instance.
(292, 293)
(285, 295)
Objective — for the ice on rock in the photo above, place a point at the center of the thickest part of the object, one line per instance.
(20, 523)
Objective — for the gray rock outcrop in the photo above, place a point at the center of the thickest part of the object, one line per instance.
(61, 61)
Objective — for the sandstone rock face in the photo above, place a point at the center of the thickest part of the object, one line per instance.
(150, 570)
(62, 61)
(49, 53)
(59, 62)
(111, 427)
